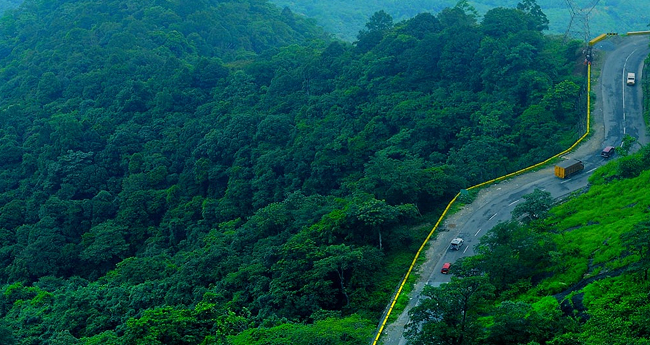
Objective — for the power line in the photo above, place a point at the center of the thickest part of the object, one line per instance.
(579, 22)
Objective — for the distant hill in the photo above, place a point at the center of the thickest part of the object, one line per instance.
(7, 4)
(345, 18)
(350, 16)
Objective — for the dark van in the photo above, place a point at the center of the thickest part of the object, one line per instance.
(445, 268)
(608, 152)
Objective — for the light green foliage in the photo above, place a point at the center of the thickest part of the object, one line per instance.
(624, 149)
(591, 226)
(104, 338)
(617, 306)
(349, 330)
(599, 234)
(523, 323)
(163, 326)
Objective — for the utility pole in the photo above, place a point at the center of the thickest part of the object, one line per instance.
(579, 22)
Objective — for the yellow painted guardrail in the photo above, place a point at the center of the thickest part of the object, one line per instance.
(417, 254)
(630, 33)
(597, 39)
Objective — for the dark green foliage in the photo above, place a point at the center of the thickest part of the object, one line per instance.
(538, 19)
(535, 206)
(449, 314)
(522, 323)
(637, 242)
(511, 252)
(185, 173)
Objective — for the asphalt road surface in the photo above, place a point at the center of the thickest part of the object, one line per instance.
(618, 112)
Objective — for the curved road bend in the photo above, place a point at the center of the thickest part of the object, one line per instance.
(618, 112)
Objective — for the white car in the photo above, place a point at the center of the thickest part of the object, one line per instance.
(631, 79)
(456, 243)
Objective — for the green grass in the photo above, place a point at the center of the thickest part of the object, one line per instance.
(588, 228)
(403, 298)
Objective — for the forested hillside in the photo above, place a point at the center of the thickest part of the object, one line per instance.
(576, 273)
(222, 171)
(350, 16)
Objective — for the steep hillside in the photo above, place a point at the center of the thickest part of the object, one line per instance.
(578, 274)
(176, 172)
(604, 240)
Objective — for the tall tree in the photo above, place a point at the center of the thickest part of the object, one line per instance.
(449, 314)
(535, 206)
(539, 20)
(376, 27)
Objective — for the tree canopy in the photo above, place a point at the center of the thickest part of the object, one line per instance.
(188, 172)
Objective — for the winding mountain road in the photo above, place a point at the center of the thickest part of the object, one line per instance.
(618, 112)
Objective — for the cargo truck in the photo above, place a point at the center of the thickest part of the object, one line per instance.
(568, 167)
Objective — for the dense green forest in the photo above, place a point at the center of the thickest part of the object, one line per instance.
(350, 16)
(576, 273)
(223, 172)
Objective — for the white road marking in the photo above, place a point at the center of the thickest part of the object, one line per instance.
(625, 82)
(494, 215)
(591, 170)
(516, 201)
(465, 250)
(479, 230)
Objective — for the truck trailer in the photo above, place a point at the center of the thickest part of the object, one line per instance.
(568, 167)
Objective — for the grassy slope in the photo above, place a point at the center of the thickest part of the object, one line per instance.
(589, 228)
(590, 276)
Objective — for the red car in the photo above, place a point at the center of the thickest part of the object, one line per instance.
(608, 151)
(445, 268)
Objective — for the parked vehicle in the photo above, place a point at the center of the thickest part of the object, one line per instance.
(568, 168)
(456, 243)
(631, 79)
(608, 152)
(445, 268)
